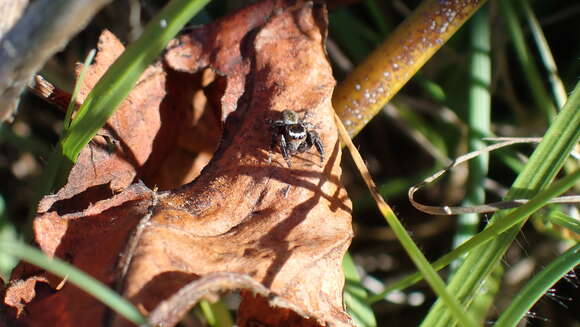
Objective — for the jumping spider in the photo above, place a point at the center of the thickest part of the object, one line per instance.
(294, 135)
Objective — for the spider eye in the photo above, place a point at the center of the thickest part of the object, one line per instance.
(297, 132)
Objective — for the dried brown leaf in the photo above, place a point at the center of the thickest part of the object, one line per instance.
(247, 213)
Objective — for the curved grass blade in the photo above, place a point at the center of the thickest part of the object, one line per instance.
(75, 276)
(544, 164)
(490, 233)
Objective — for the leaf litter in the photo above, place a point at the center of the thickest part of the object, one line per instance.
(224, 201)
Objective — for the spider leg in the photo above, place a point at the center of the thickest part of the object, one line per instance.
(314, 139)
(284, 149)
(305, 146)
(275, 124)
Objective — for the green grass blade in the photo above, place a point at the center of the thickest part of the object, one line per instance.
(558, 89)
(377, 16)
(353, 35)
(73, 98)
(562, 219)
(216, 314)
(479, 113)
(538, 286)
(222, 313)
(533, 77)
(431, 276)
(355, 296)
(478, 121)
(111, 89)
(75, 276)
(492, 232)
(120, 78)
(8, 234)
(436, 283)
(434, 90)
(544, 164)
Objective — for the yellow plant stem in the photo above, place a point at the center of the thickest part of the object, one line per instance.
(410, 247)
(373, 83)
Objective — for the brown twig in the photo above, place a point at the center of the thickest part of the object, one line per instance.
(170, 311)
(11, 11)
